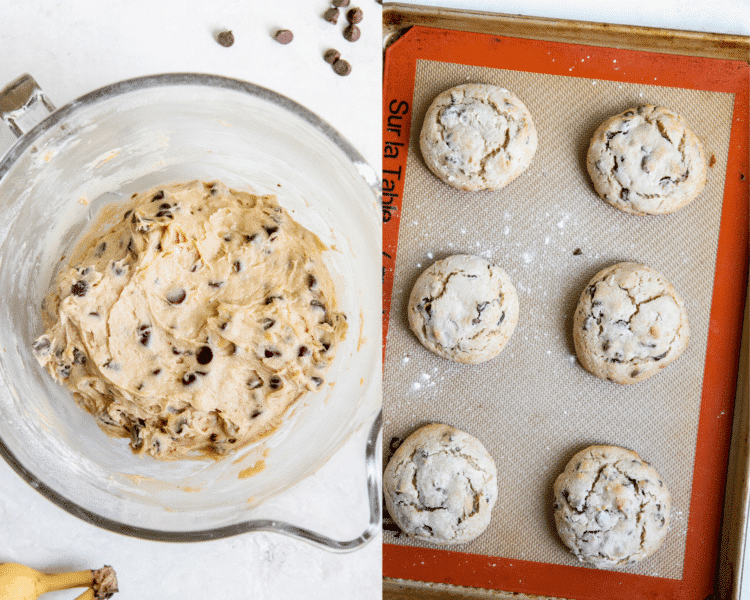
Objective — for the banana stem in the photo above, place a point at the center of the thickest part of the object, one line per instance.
(64, 581)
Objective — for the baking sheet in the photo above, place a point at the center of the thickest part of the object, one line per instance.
(534, 406)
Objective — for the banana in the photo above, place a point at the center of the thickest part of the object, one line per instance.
(18, 582)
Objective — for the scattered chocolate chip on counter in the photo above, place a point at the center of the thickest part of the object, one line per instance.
(331, 15)
(331, 56)
(340, 3)
(342, 67)
(225, 38)
(283, 36)
(354, 15)
(577, 252)
(352, 33)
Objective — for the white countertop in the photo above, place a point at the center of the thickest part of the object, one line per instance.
(72, 48)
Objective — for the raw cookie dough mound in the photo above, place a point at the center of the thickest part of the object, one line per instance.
(463, 308)
(478, 137)
(629, 324)
(647, 161)
(194, 322)
(440, 485)
(611, 507)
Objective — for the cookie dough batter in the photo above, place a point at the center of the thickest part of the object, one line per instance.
(647, 161)
(463, 308)
(440, 485)
(478, 137)
(192, 323)
(629, 324)
(611, 507)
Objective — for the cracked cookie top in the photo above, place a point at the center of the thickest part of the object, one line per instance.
(611, 507)
(629, 324)
(647, 161)
(463, 308)
(478, 137)
(440, 485)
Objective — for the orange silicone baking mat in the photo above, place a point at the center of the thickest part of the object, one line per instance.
(551, 233)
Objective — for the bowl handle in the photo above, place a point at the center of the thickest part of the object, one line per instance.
(23, 104)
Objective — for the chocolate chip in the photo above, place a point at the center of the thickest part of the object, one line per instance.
(155, 371)
(157, 196)
(331, 56)
(342, 67)
(94, 314)
(303, 351)
(41, 346)
(326, 347)
(79, 358)
(317, 381)
(271, 230)
(188, 378)
(128, 212)
(144, 334)
(204, 356)
(271, 353)
(270, 299)
(250, 238)
(256, 414)
(577, 252)
(268, 323)
(351, 34)
(176, 296)
(215, 284)
(237, 266)
(354, 15)
(213, 437)
(225, 38)
(175, 351)
(274, 383)
(283, 36)
(164, 213)
(79, 288)
(340, 3)
(331, 15)
(661, 355)
(64, 371)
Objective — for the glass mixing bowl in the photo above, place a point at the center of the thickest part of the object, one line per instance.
(126, 138)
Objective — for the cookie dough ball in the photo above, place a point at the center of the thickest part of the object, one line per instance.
(629, 324)
(647, 161)
(440, 485)
(463, 308)
(611, 507)
(478, 137)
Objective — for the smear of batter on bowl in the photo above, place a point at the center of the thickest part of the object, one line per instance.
(191, 318)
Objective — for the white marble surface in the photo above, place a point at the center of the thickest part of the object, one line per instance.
(72, 48)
